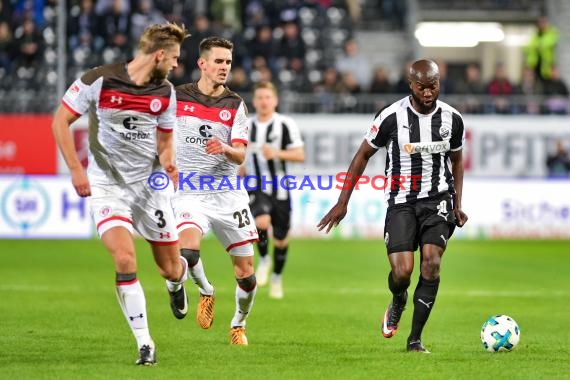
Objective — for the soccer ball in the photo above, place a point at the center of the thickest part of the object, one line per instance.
(500, 333)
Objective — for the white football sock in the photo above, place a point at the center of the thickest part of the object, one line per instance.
(198, 275)
(244, 302)
(133, 303)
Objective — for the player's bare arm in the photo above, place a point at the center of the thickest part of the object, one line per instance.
(355, 170)
(165, 152)
(457, 171)
(235, 152)
(294, 154)
(62, 120)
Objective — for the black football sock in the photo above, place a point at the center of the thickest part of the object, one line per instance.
(398, 289)
(262, 243)
(424, 299)
(279, 257)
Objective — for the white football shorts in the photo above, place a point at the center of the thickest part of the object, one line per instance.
(227, 213)
(134, 206)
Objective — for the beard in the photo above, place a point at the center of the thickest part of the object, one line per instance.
(423, 107)
(158, 75)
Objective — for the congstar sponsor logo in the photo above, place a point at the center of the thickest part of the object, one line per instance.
(427, 147)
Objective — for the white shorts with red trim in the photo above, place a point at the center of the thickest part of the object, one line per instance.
(135, 207)
(226, 213)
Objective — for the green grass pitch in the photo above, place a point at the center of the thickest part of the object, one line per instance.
(59, 318)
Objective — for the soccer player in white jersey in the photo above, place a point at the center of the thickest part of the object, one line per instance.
(423, 137)
(275, 139)
(132, 113)
(211, 139)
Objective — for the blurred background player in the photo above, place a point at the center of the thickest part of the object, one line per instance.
(275, 139)
(210, 141)
(420, 213)
(131, 122)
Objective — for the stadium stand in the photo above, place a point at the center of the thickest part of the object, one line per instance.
(302, 45)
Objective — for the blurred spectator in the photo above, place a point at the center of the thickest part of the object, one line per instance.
(179, 76)
(264, 46)
(349, 84)
(28, 44)
(256, 13)
(541, 50)
(403, 84)
(556, 93)
(295, 77)
(82, 24)
(471, 83)
(356, 63)
(472, 87)
(394, 12)
(261, 74)
(500, 88)
(180, 12)
(28, 10)
(239, 81)
(105, 6)
(530, 87)
(380, 83)
(354, 10)
(116, 27)
(144, 16)
(5, 47)
(327, 90)
(558, 163)
(291, 45)
(226, 12)
(446, 85)
(200, 30)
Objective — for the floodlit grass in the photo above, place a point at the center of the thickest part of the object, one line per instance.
(59, 317)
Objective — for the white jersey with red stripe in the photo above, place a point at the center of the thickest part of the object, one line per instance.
(199, 118)
(123, 122)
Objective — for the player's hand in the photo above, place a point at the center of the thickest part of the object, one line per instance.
(172, 173)
(268, 152)
(460, 217)
(215, 146)
(80, 182)
(332, 218)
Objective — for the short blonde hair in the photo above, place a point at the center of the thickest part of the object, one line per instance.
(265, 85)
(162, 36)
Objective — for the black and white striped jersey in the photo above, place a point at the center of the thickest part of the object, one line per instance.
(281, 132)
(417, 149)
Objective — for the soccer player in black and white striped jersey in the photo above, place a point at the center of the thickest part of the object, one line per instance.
(423, 138)
(275, 139)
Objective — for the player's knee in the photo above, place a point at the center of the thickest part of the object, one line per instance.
(430, 267)
(191, 255)
(402, 271)
(124, 260)
(248, 283)
(280, 243)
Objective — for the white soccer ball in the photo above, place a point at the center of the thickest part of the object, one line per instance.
(500, 333)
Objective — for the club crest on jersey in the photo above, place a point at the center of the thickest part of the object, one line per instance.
(105, 211)
(225, 115)
(155, 105)
(444, 131)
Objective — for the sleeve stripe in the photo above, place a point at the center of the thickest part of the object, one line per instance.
(244, 142)
(165, 130)
(70, 109)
